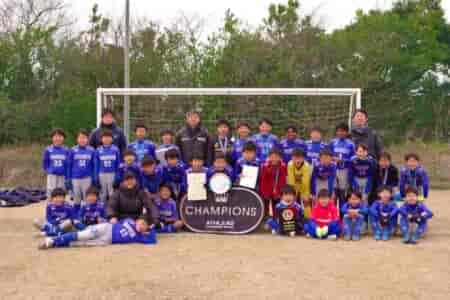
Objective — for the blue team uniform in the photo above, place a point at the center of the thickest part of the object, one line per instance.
(81, 162)
(344, 149)
(312, 151)
(212, 171)
(152, 182)
(287, 146)
(107, 160)
(265, 143)
(125, 232)
(89, 214)
(55, 215)
(322, 174)
(417, 178)
(238, 147)
(361, 170)
(123, 169)
(142, 148)
(175, 176)
(353, 226)
(240, 165)
(383, 218)
(413, 214)
(56, 160)
(168, 214)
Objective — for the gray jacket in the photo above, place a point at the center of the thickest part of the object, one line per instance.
(369, 137)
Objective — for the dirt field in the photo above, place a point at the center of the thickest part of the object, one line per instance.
(257, 266)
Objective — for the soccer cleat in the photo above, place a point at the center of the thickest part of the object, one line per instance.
(405, 238)
(414, 239)
(274, 231)
(333, 237)
(39, 224)
(308, 236)
(46, 244)
(292, 234)
(386, 234)
(318, 232)
(377, 235)
(347, 237)
(356, 237)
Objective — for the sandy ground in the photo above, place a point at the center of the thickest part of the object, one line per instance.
(257, 266)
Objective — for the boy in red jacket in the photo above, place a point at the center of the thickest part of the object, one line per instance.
(273, 178)
(324, 222)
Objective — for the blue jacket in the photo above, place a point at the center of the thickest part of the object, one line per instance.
(89, 213)
(240, 165)
(81, 163)
(287, 146)
(152, 182)
(361, 168)
(176, 175)
(167, 209)
(416, 210)
(238, 146)
(312, 151)
(378, 208)
(416, 178)
(362, 208)
(56, 160)
(322, 172)
(107, 160)
(212, 171)
(55, 214)
(123, 169)
(125, 232)
(142, 148)
(343, 149)
(119, 139)
(265, 143)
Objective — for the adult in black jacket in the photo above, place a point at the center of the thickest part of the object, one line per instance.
(193, 138)
(108, 122)
(362, 134)
(130, 201)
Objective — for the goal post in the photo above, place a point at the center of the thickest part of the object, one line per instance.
(103, 94)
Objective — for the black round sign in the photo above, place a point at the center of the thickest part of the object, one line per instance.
(240, 211)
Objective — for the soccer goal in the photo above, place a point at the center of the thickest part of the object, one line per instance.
(161, 108)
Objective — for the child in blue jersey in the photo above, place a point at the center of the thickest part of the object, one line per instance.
(55, 161)
(383, 214)
(197, 165)
(152, 175)
(223, 142)
(354, 213)
(361, 171)
(265, 140)
(414, 216)
(174, 174)
(413, 174)
(169, 220)
(220, 165)
(243, 131)
(323, 174)
(248, 159)
(124, 232)
(59, 215)
(167, 139)
(290, 143)
(107, 162)
(129, 165)
(342, 149)
(287, 202)
(81, 169)
(142, 147)
(314, 146)
(92, 212)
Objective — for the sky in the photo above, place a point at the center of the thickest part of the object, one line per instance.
(330, 14)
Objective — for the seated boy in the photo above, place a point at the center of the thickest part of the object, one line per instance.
(361, 171)
(59, 215)
(141, 146)
(129, 165)
(354, 214)
(413, 174)
(290, 143)
(55, 161)
(249, 151)
(324, 174)
(414, 216)
(299, 176)
(168, 214)
(220, 166)
(288, 201)
(324, 222)
(152, 175)
(92, 212)
(174, 174)
(124, 232)
(167, 138)
(383, 214)
(387, 175)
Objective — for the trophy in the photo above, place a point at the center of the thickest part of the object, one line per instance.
(220, 184)
(288, 221)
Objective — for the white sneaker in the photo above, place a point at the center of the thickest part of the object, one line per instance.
(333, 237)
(46, 244)
(274, 232)
(292, 234)
(38, 224)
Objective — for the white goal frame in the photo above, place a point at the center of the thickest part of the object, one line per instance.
(103, 93)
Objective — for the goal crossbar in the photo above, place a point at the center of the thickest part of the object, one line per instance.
(102, 93)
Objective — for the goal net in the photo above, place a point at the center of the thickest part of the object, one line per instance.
(165, 108)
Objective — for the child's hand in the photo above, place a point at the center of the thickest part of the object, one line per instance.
(423, 215)
(113, 220)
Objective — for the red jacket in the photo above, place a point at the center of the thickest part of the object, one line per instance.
(323, 216)
(267, 186)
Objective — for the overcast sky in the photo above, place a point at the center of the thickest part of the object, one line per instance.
(330, 14)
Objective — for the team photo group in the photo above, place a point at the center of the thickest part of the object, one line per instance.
(120, 193)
